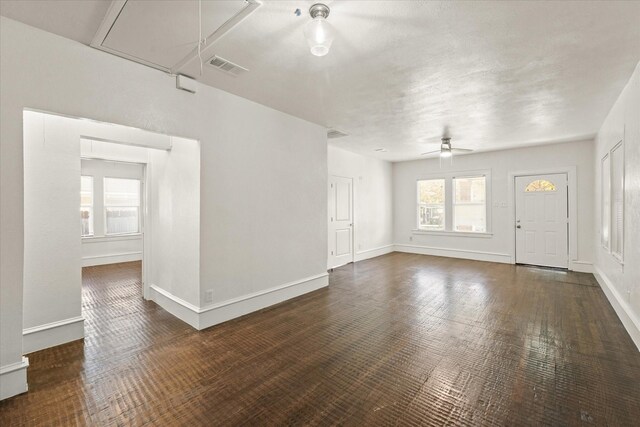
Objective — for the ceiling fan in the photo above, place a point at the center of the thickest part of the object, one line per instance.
(446, 150)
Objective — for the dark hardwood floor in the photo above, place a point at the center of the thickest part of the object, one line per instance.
(400, 339)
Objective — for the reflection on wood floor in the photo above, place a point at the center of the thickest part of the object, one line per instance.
(399, 339)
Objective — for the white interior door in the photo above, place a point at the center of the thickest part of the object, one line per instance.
(541, 220)
(340, 221)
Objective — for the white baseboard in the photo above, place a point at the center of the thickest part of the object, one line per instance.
(13, 378)
(90, 261)
(205, 317)
(372, 253)
(180, 308)
(52, 334)
(581, 266)
(454, 253)
(628, 318)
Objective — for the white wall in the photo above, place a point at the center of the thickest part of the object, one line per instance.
(174, 214)
(101, 249)
(621, 282)
(373, 208)
(499, 246)
(263, 172)
(52, 255)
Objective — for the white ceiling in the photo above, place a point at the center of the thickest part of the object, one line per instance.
(497, 74)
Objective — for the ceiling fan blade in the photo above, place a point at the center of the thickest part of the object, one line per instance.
(462, 150)
(430, 152)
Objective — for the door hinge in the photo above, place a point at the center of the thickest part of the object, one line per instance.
(331, 252)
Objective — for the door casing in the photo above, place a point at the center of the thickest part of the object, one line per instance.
(539, 222)
(571, 172)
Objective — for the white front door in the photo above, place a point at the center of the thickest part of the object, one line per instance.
(541, 220)
(340, 221)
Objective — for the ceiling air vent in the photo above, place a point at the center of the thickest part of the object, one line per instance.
(226, 66)
(333, 134)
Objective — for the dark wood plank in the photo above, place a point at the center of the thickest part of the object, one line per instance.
(399, 339)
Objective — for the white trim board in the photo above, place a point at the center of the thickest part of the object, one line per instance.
(180, 308)
(581, 266)
(629, 319)
(89, 261)
(205, 317)
(52, 334)
(454, 253)
(13, 378)
(372, 253)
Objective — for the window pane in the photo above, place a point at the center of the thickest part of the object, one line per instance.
(469, 206)
(469, 190)
(121, 192)
(471, 218)
(86, 191)
(540, 185)
(86, 221)
(86, 206)
(431, 217)
(121, 220)
(431, 191)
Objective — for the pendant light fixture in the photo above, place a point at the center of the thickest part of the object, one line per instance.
(319, 32)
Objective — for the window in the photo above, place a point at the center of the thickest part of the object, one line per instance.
(469, 204)
(617, 200)
(431, 210)
(454, 204)
(606, 200)
(540, 185)
(86, 206)
(122, 205)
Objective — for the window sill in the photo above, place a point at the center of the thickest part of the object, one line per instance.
(111, 238)
(453, 233)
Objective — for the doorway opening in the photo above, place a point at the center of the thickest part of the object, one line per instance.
(112, 215)
(108, 206)
(112, 208)
(542, 220)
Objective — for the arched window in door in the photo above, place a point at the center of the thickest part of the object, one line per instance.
(540, 185)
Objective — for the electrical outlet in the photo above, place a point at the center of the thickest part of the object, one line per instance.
(208, 296)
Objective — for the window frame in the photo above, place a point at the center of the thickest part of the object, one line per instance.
(454, 204)
(618, 256)
(449, 195)
(605, 202)
(428, 205)
(105, 206)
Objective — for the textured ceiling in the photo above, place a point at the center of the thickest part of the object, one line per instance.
(497, 74)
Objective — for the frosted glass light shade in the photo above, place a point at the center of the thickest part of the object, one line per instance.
(319, 34)
(445, 153)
